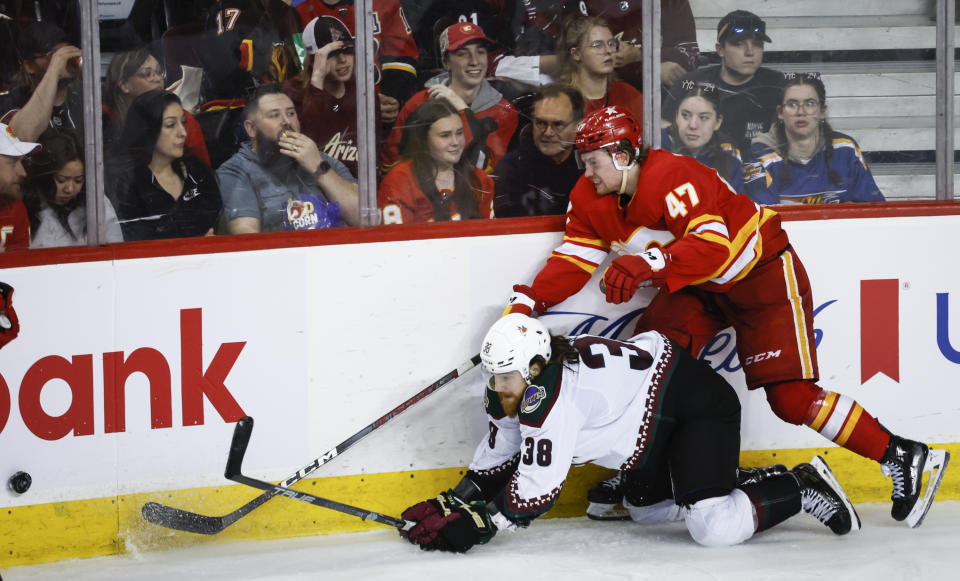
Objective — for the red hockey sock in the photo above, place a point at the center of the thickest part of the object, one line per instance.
(841, 419)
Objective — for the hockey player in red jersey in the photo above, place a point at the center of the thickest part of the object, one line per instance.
(719, 260)
(644, 406)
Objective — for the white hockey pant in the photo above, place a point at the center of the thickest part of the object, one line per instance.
(721, 521)
(663, 511)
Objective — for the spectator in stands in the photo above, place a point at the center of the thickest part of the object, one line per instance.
(161, 190)
(695, 132)
(587, 50)
(280, 180)
(395, 56)
(536, 178)
(534, 59)
(46, 91)
(801, 160)
(749, 93)
(325, 93)
(130, 75)
(464, 47)
(14, 224)
(434, 182)
(429, 18)
(245, 43)
(678, 50)
(54, 194)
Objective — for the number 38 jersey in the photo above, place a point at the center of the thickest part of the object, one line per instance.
(715, 236)
(603, 409)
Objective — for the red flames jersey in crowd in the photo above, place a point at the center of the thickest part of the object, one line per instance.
(619, 93)
(402, 201)
(497, 140)
(14, 225)
(715, 236)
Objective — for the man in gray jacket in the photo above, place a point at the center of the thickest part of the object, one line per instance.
(280, 180)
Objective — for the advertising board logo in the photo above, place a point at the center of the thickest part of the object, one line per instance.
(197, 385)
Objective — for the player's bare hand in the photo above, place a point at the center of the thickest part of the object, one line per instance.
(301, 148)
(441, 91)
(389, 108)
(65, 62)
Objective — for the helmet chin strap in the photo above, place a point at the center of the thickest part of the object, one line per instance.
(623, 180)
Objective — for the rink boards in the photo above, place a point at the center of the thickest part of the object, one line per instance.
(128, 373)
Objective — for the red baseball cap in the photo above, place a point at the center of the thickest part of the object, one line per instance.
(460, 34)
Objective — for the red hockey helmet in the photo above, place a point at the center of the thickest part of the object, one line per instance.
(614, 129)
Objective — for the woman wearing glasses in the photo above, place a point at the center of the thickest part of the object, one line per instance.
(130, 75)
(695, 132)
(801, 160)
(587, 51)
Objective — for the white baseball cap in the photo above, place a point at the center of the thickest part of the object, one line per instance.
(11, 145)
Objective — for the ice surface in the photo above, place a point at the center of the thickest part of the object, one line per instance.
(560, 549)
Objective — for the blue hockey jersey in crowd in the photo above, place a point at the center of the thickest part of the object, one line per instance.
(809, 182)
(725, 158)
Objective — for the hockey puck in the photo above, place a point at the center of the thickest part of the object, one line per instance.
(20, 482)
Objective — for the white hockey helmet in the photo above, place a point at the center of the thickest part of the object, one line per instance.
(512, 342)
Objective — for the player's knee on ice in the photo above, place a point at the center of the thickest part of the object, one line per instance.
(661, 512)
(721, 521)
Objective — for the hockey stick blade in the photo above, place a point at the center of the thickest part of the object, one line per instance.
(238, 448)
(191, 522)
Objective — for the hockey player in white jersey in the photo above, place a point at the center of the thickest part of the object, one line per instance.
(644, 406)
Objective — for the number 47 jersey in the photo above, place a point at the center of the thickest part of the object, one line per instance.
(602, 409)
(715, 236)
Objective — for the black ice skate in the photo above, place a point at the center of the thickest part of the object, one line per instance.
(905, 461)
(606, 500)
(747, 476)
(823, 497)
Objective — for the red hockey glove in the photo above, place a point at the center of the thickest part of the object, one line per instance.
(524, 301)
(9, 325)
(626, 273)
(445, 523)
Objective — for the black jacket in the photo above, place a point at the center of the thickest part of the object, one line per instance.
(528, 183)
(146, 211)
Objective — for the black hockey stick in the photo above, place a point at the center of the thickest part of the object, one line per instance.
(191, 522)
(238, 448)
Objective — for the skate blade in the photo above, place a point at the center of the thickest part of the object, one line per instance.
(936, 465)
(820, 465)
(597, 511)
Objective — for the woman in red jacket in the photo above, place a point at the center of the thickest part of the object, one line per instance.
(587, 51)
(434, 182)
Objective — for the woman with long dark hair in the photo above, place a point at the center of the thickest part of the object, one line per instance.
(131, 74)
(161, 190)
(695, 132)
(54, 194)
(434, 182)
(802, 160)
